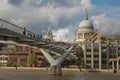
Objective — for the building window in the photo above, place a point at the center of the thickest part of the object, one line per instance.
(96, 50)
(79, 35)
(5, 58)
(23, 60)
(86, 35)
(104, 45)
(88, 50)
(104, 50)
(10, 46)
(96, 44)
(27, 49)
(96, 53)
(14, 59)
(96, 47)
(88, 44)
(88, 61)
(88, 47)
(88, 53)
(96, 62)
(39, 59)
(18, 49)
(104, 55)
(96, 56)
(88, 66)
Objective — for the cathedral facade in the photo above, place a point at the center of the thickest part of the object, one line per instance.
(100, 52)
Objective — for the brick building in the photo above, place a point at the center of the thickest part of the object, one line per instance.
(18, 54)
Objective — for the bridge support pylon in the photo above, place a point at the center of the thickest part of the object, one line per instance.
(56, 68)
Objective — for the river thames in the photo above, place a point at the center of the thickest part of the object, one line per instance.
(6, 74)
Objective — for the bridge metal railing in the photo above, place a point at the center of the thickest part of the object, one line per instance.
(18, 29)
(56, 46)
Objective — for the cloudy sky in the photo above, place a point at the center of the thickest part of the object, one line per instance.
(63, 16)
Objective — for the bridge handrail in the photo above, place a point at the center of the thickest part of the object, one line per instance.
(18, 29)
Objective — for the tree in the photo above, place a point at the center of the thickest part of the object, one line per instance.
(79, 53)
(10, 63)
(32, 59)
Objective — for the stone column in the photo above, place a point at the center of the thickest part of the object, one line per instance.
(85, 65)
(92, 56)
(100, 56)
(113, 67)
(83, 35)
(117, 66)
(108, 54)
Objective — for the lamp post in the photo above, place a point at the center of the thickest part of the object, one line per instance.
(2, 60)
(16, 62)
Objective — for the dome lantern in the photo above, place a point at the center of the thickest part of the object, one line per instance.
(86, 14)
(86, 23)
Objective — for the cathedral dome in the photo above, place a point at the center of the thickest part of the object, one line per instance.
(85, 30)
(86, 24)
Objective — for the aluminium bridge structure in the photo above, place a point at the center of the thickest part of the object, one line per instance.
(12, 32)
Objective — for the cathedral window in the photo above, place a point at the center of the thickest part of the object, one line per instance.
(79, 35)
(86, 35)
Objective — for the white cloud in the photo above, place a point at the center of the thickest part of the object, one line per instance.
(105, 24)
(38, 15)
(61, 34)
(87, 4)
(66, 34)
(26, 11)
(3, 5)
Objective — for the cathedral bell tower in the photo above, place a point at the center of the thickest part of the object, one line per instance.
(49, 35)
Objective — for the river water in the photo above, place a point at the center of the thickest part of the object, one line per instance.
(67, 75)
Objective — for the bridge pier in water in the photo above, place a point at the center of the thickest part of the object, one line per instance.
(55, 70)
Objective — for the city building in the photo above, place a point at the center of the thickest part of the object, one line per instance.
(11, 51)
(18, 54)
(100, 52)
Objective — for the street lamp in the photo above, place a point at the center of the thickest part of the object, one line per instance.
(2, 60)
(16, 61)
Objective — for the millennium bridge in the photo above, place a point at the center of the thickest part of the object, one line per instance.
(18, 34)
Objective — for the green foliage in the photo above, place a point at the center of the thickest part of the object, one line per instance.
(10, 63)
(32, 59)
(79, 52)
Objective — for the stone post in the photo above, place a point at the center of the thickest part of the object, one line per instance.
(113, 67)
